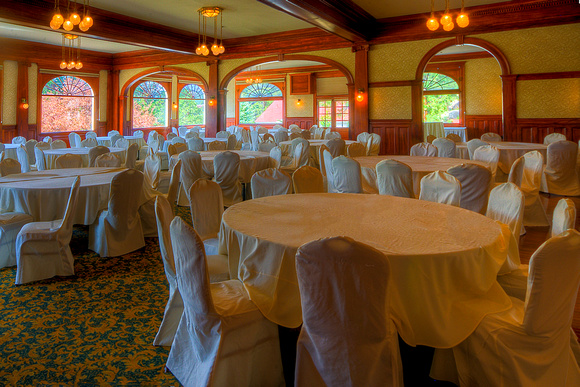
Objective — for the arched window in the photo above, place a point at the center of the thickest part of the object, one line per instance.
(441, 99)
(261, 103)
(149, 105)
(67, 105)
(191, 105)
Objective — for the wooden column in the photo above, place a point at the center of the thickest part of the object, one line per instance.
(112, 102)
(416, 112)
(212, 112)
(508, 88)
(361, 83)
(22, 92)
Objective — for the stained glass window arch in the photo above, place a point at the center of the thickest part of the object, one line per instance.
(261, 103)
(67, 104)
(191, 105)
(441, 99)
(261, 90)
(191, 91)
(436, 81)
(150, 89)
(150, 105)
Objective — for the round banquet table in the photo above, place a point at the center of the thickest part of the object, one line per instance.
(421, 165)
(443, 273)
(508, 152)
(52, 154)
(44, 194)
(106, 140)
(250, 162)
(314, 145)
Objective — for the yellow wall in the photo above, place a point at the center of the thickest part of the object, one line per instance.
(390, 103)
(9, 92)
(32, 92)
(482, 87)
(551, 98)
(103, 84)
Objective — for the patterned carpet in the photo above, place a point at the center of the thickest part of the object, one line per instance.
(95, 328)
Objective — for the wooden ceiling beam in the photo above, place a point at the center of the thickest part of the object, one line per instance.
(340, 17)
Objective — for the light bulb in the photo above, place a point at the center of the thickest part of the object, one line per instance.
(204, 50)
(221, 48)
(70, 65)
(63, 65)
(198, 50)
(215, 49)
(58, 18)
(448, 26)
(67, 25)
(446, 19)
(432, 24)
(462, 20)
(88, 21)
(79, 65)
(75, 18)
(83, 26)
(54, 25)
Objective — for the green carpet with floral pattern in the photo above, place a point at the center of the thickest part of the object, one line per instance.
(94, 328)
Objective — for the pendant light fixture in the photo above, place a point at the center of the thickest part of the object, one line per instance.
(73, 17)
(447, 19)
(217, 46)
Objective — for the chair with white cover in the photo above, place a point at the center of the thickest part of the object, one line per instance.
(281, 135)
(491, 137)
(294, 128)
(488, 154)
(476, 181)
(369, 180)
(74, 140)
(232, 142)
(506, 204)
(22, 155)
(275, 157)
(152, 171)
(517, 172)
(326, 165)
(336, 147)
(222, 134)
(267, 137)
(356, 149)
(560, 176)
(554, 137)
(110, 160)
(42, 145)
(534, 212)
(19, 140)
(294, 135)
(195, 144)
(179, 147)
(430, 138)
(131, 157)
(57, 144)
(445, 147)
(9, 167)
(394, 178)
(373, 144)
(30, 144)
(89, 143)
(42, 248)
(454, 137)
(306, 134)
(68, 160)
(346, 175)
(270, 182)
(318, 133)
(423, 149)
(363, 138)
(122, 143)
(117, 230)
(47, 139)
(10, 225)
(112, 133)
(178, 140)
(564, 216)
(191, 170)
(90, 134)
(139, 133)
(300, 157)
(96, 152)
(343, 342)
(307, 179)
(182, 130)
(440, 187)
(226, 166)
(254, 140)
(114, 138)
(332, 135)
(191, 134)
(266, 146)
(217, 145)
(472, 145)
(530, 343)
(40, 160)
(222, 339)
(2, 149)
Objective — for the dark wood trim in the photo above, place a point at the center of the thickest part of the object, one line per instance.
(396, 135)
(391, 84)
(540, 76)
(479, 124)
(360, 118)
(22, 93)
(112, 103)
(457, 57)
(455, 70)
(509, 104)
(535, 129)
(212, 112)
(329, 74)
(288, 70)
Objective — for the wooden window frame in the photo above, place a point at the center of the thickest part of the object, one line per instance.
(456, 71)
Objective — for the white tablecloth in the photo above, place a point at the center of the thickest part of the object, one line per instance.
(314, 146)
(435, 128)
(106, 141)
(461, 132)
(44, 194)
(51, 155)
(206, 140)
(444, 259)
(508, 152)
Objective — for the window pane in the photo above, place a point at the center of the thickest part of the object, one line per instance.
(65, 114)
(150, 89)
(191, 112)
(435, 81)
(325, 113)
(67, 85)
(148, 113)
(441, 108)
(192, 92)
(342, 114)
(261, 90)
(261, 112)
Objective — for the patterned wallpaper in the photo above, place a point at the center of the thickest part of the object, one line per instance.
(390, 103)
(103, 75)
(550, 98)
(32, 92)
(344, 56)
(225, 66)
(483, 87)
(200, 68)
(9, 97)
(532, 50)
(125, 75)
(305, 110)
(231, 99)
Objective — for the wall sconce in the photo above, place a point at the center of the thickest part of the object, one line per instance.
(360, 95)
(211, 101)
(23, 104)
(174, 105)
(299, 102)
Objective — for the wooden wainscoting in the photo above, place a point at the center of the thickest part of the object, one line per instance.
(535, 129)
(480, 124)
(302, 122)
(395, 135)
(8, 133)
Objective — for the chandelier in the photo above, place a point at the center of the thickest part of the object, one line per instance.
(74, 19)
(254, 80)
(209, 13)
(68, 52)
(447, 20)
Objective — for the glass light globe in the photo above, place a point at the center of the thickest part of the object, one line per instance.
(70, 65)
(198, 50)
(88, 21)
(462, 20)
(204, 50)
(79, 65)
(221, 48)
(446, 19)
(215, 49)
(75, 18)
(63, 65)
(67, 25)
(54, 25)
(432, 24)
(83, 26)
(448, 26)
(58, 18)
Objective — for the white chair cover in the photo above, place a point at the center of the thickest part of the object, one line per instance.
(232, 142)
(327, 160)
(42, 145)
(30, 144)
(356, 149)
(108, 160)
(517, 172)
(266, 146)
(564, 216)
(152, 171)
(171, 136)
(96, 152)
(22, 155)
(117, 230)
(318, 133)
(270, 182)
(423, 149)
(40, 160)
(139, 133)
(181, 131)
(226, 166)
(195, 144)
(534, 213)
(560, 176)
(10, 225)
(191, 170)
(369, 180)
(395, 178)
(506, 204)
(74, 140)
(491, 137)
(216, 145)
(275, 157)
(307, 179)
(131, 158)
(476, 181)
(2, 148)
(490, 155)
(174, 182)
(454, 137)
(9, 167)
(346, 175)
(19, 140)
(89, 143)
(301, 156)
(472, 145)
(440, 187)
(554, 137)
(222, 134)
(343, 342)
(336, 147)
(90, 134)
(191, 134)
(363, 138)
(42, 248)
(254, 140)
(57, 144)
(122, 143)
(281, 135)
(47, 139)
(445, 147)
(178, 140)
(111, 133)
(529, 344)
(68, 160)
(295, 135)
(114, 138)
(373, 144)
(294, 128)
(222, 339)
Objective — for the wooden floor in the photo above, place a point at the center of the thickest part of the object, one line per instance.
(535, 236)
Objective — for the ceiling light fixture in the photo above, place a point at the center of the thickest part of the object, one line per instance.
(68, 52)
(251, 80)
(217, 47)
(447, 19)
(74, 19)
